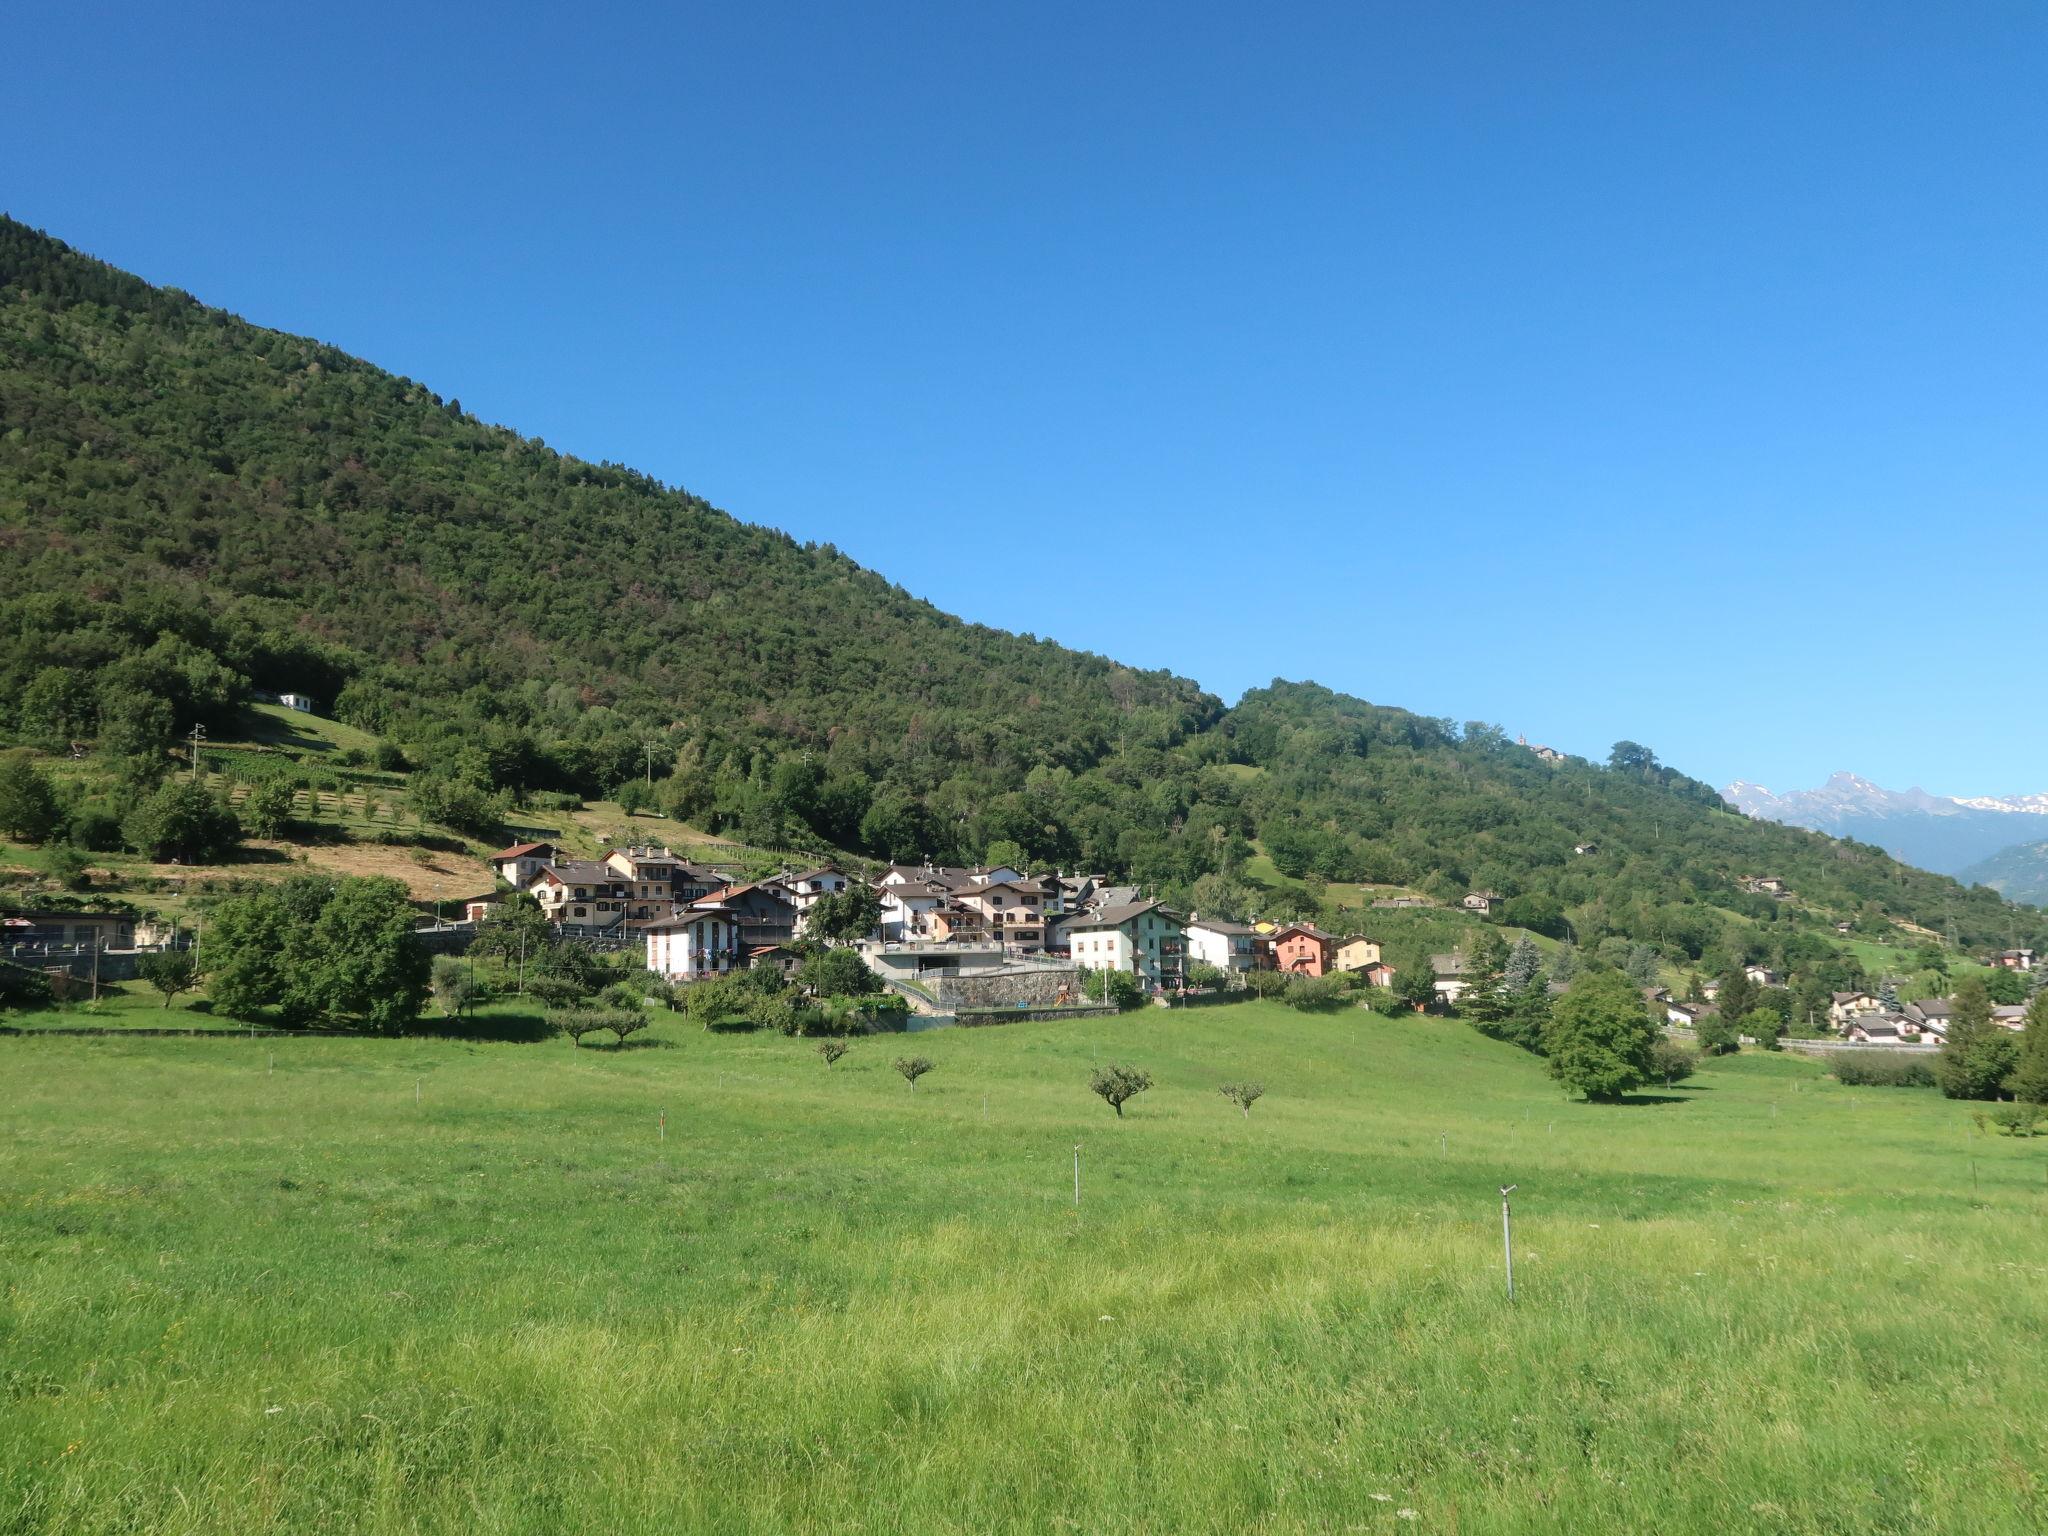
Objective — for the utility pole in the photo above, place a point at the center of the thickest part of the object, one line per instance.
(198, 739)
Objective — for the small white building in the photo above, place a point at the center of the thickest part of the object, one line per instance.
(518, 864)
(693, 945)
(1225, 945)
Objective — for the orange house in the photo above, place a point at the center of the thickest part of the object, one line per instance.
(1304, 949)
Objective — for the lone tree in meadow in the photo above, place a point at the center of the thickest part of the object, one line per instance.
(1116, 1084)
(1243, 1095)
(627, 1021)
(1600, 1039)
(914, 1067)
(170, 971)
(831, 1050)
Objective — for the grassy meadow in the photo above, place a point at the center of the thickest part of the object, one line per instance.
(240, 1298)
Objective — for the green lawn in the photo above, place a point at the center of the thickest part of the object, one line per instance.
(240, 1299)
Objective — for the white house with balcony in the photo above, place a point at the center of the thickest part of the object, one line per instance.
(1144, 939)
(693, 945)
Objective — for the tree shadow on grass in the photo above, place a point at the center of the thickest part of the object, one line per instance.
(514, 1029)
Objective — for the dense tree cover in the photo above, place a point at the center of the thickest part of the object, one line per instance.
(314, 948)
(193, 507)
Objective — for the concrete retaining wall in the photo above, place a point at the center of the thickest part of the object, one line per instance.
(1037, 986)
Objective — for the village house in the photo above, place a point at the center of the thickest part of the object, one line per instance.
(2014, 959)
(2012, 1016)
(911, 893)
(1585, 849)
(1011, 911)
(1379, 974)
(657, 882)
(1227, 946)
(1876, 1029)
(1542, 753)
(1487, 902)
(1930, 1014)
(1687, 1015)
(1355, 952)
(518, 864)
(1304, 949)
(774, 957)
(1144, 939)
(58, 928)
(1844, 1006)
(1401, 903)
(763, 912)
(1450, 971)
(581, 893)
(1766, 885)
(693, 945)
(812, 886)
(1763, 976)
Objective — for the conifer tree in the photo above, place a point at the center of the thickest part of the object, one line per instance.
(2029, 1081)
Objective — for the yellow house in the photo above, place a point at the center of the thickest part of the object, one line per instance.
(1357, 953)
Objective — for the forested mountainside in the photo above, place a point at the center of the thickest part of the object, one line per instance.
(192, 507)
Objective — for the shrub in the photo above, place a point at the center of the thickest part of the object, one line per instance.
(838, 973)
(1672, 1062)
(1859, 1069)
(1313, 994)
(2018, 1119)
(1116, 1084)
(1266, 983)
(170, 971)
(1118, 987)
(912, 1068)
(1243, 1095)
(578, 1022)
(21, 987)
(829, 1051)
(627, 1021)
(1203, 974)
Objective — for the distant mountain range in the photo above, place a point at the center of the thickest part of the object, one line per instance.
(1948, 835)
(2019, 873)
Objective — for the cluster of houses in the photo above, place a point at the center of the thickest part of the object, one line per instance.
(698, 921)
(1866, 1020)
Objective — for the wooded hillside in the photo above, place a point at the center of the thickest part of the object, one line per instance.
(192, 507)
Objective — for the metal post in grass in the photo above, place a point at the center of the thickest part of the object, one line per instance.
(1507, 1235)
(1077, 1175)
(661, 1134)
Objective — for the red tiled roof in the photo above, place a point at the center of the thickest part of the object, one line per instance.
(520, 851)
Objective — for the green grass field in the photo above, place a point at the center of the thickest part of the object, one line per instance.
(240, 1299)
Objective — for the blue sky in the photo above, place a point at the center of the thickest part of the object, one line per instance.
(1671, 372)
